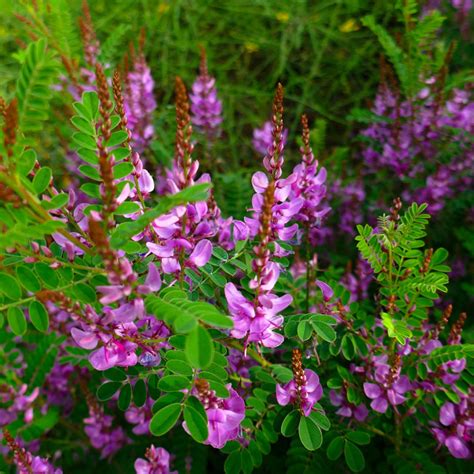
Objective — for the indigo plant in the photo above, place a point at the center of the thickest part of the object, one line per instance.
(146, 329)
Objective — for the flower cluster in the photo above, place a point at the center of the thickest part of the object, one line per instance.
(183, 234)
(157, 462)
(406, 141)
(304, 390)
(25, 461)
(309, 186)
(257, 321)
(224, 415)
(140, 103)
(206, 108)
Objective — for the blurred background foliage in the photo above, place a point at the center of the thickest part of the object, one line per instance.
(327, 61)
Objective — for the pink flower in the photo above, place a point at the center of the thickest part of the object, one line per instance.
(390, 387)
(157, 462)
(347, 409)
(303, 396)
(201, 253)
(256, 324)
(224, 414)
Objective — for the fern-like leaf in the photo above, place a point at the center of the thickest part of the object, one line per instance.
(424, 32)
(62, 28)
(33, 89)
(392, 50)
(445, 354)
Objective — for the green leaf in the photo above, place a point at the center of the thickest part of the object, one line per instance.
(28, 279)
(173, 383)
(196, 421)
(199, 348)
(120, 153)
(396, 329)
(85, 141)
(127, 208)
(126, 231)
(42, 179)
(47, 275)
(27, 162)
(116, 139)
(439, 256)
(9, 286)
(233, 463)
(219, 388)
(320, 419)
(90, 103)
(83, 125)
(290, 423)
(216, 319)
(33, 88)
(122, 169)
(347, 347)
(354, 457)
(90, 172)
(310, 434)
(165, 400)
(116, 374)
(56, 202)
(16, 320)
(89, 156)
(139, 393)
(246, 461)
(358, 437)
(335, 448)
(324, 331)
(179, 367)
(304, 330)
(84, 293)
(164, 419)
(125, 397)
(107, 390)
(39, 316)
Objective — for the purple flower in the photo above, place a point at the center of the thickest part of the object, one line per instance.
(309, 186)
(157, 462)
(457, 430)
(347, 409)
(302, 391)
(224, 414)
(206, 108)
(103, 436)
(358, 281)
(389, 387)
(283, 210)
(112, 353)
(140, 417)
(412, 134)
(256, 324)
(41, 466)
(139, 103)
(327, 291)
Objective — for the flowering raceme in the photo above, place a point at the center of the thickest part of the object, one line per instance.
(184, 232)
(256, 322)
(157, 462)
(304, 390)
(406, 140)
(224, 415)
(206, 108)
